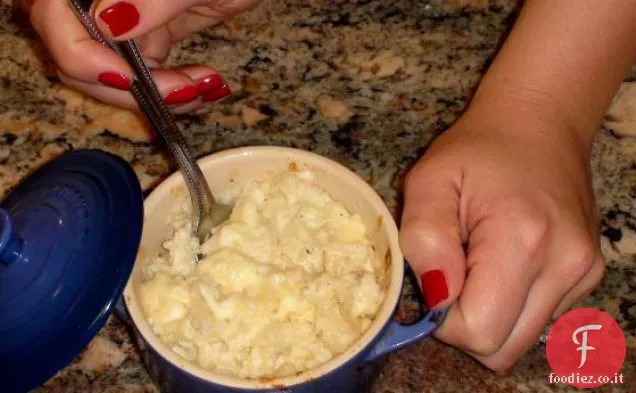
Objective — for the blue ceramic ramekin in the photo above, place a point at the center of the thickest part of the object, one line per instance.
(351, 371)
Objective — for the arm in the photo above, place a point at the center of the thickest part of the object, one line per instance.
(499, 217)
(564, 59)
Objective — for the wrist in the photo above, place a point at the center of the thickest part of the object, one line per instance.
(532, 115)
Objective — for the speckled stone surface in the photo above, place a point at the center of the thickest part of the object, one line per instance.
(368, 83)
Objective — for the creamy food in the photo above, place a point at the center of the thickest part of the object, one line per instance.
(287, 283)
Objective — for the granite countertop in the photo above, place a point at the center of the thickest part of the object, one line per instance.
(367, 84)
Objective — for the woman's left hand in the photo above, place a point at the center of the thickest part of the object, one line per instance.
(500, 224)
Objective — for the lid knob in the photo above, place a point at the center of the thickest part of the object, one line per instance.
(10, 245)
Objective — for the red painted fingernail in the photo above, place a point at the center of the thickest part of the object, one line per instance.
(210, 83)
(182, 94)
(435, 287)
(120, 17)
(115, 80)
(217, 94)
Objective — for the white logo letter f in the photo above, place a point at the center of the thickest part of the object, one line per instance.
(584, 347)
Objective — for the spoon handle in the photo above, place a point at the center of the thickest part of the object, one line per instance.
(149, 99)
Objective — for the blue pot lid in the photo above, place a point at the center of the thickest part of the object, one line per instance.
(69, 236)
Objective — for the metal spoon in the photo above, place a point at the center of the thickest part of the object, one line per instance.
(207, 212)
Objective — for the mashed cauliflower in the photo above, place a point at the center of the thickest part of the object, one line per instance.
(287, 283)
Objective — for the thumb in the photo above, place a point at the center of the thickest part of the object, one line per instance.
(430, 235)
(131, 18)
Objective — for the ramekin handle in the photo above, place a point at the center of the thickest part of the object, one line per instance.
(122, 312)
(397, 335)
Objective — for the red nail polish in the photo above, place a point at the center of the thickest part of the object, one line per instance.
(182, 94)
(120, 17)
(217, 94)
(115, 80)
(210, 83)
(435, 287)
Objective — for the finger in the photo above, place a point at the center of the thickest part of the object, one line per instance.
(132, 18)
(430, 235)
(73, 50)
(186, 108)
(551, 287)
(155, 46)
(583, 288)
(179, 86)
(542, 301)
(210, 84)
(189, 23)
(503, 266)
(24, 5)
(118, 98)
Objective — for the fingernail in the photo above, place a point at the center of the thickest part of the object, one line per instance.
(120, 17)
(210, 83)
(182, 94)
(435, 287)
(217, 94)
(115, 80)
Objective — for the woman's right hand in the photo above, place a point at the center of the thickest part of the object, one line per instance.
(97, 71)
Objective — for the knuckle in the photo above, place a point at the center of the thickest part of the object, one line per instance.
(37, 12)
(414, 174)
(67, 80)
(67, 66)
(595, 274)
(583, 256)
(423, 235)
(43, 18)
(499, 364)
(482, 340)
(533, 231)
(484, 345)
(25, 5)
(422, 231)
(598, 270)
(425, 168)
